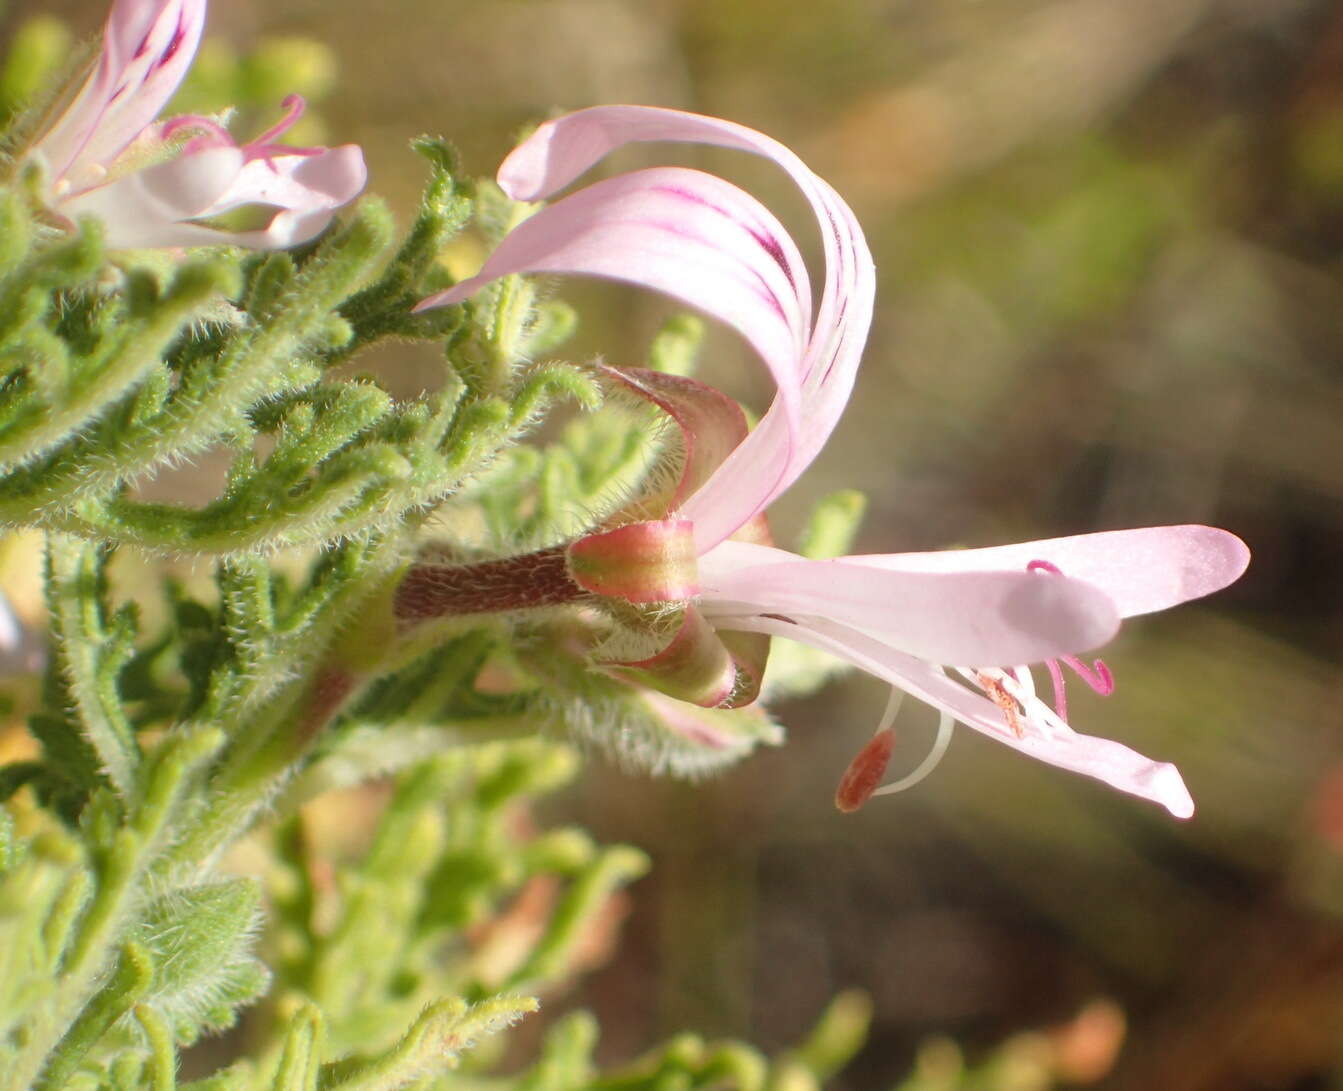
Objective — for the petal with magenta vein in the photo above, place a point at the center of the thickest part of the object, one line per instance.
(148, 45)
(562, 149)
(1142, 570)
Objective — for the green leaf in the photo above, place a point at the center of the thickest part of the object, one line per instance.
(582, 902)
(675, 347)
(436, 1040)
(36, 53)
(833, 524)
(201, 940)
(92, 653)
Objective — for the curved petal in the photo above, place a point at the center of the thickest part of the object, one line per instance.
(298, 182)
(1105, 760)
(946, 617)
(148, 45)
(560, 150)
(1142, 570)
(685, 233)
(784, 443)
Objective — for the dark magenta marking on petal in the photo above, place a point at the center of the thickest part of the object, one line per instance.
(774, 249)
(842, 340)
(767, 241)
(764, 290)
(179, 36)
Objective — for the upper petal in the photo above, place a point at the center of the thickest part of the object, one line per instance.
(981, 618)
(786, 441)
(560, 150)
(1142, 570)
(148, 45)
(687, 234)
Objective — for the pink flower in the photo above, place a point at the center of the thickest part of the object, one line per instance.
(106, 156)
(919, 621)
(21, 649)
(885, 614)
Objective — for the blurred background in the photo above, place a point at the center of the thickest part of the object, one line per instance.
(1108, 236)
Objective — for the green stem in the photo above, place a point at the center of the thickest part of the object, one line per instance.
(162, 1049)
(121, 868)
(258, 764)
(128, 983)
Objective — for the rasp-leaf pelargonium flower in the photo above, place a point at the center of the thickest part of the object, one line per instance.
(919, 621)
(158, 183)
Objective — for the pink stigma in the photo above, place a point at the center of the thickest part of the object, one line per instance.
(293, 107)
(1096, 674)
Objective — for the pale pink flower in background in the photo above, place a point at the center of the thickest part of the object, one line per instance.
(21, 649)
(907, 618)
(106, 156)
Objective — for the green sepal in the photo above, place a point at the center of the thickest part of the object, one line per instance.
(640, 727)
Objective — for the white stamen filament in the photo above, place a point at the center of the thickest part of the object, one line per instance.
(893, 704)
(945, 725)
(1019, 684)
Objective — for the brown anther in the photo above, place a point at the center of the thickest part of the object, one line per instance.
(865, 772)
(995, 692)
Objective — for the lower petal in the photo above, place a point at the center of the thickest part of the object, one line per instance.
(1105, 760)
(148, 208)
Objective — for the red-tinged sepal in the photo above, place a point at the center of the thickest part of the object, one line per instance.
(638, 726)
(639, 562)
(694, 666)
(688, 740)
(750, 653)
(711, 424)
